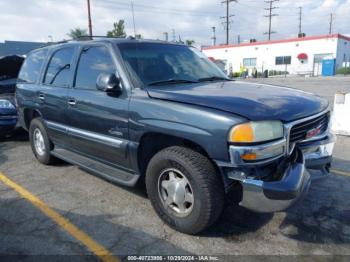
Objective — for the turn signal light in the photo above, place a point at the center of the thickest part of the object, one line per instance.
(249, 157)
(242, 134)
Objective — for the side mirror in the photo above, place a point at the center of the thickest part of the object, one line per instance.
(109, 83)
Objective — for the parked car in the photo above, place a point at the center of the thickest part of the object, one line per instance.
(138, 110)
(9, 68)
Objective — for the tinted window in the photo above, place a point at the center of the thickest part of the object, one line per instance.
(249, 62)
(58, 72)
(153, 62)
(93, 61)
(283, 60)
(31, 67)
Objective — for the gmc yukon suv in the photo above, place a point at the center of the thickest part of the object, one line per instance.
(161, 113)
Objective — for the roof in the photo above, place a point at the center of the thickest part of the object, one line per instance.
(289, 40)
(55, 45)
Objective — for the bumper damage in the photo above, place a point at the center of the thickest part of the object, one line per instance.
(261, 195)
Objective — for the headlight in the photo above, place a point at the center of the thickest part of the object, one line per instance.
(6, 104)
(253, 132)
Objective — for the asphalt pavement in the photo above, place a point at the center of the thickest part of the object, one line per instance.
(63, 211)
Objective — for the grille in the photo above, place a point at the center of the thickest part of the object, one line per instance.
(299, 131)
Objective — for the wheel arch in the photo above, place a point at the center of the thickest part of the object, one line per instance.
(152, 142)
(29, 115)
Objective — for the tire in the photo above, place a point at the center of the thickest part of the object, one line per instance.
(44, 156)
(204, 184)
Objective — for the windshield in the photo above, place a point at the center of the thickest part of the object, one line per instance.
(155, 63)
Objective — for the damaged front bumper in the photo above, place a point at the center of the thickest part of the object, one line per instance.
(261, 194)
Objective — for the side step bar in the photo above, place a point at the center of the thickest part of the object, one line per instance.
(105, 171)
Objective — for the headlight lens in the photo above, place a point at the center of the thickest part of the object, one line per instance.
(6, 104)
(253, 132)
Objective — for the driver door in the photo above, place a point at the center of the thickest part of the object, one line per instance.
(98, 121)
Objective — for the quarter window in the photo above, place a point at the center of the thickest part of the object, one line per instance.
(58, 72)
(31, 67)
(283, 60)
(249, 62)
(93, 61)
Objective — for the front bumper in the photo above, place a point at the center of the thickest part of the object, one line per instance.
(318, 154)
(293, 184)
(7, 123)
(260, 196)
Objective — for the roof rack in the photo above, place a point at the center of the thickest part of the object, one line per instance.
(89, 38)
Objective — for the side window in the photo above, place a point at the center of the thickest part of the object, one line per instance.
(31, 67)
(58, 72)
(93, 61)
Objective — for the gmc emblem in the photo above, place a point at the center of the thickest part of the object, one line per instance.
(313, 132)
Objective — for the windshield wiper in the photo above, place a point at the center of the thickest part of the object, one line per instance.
(173, 81)
(213, 78)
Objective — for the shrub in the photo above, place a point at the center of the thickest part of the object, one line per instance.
(343, 71)
(234, 74)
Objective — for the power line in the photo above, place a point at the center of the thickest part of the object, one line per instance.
(270, 15)
(227, 19)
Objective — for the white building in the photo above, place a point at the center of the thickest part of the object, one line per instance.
(301, 56)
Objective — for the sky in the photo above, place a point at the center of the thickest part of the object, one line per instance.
(36, 20)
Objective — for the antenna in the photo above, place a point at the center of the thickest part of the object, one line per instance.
(133, 16)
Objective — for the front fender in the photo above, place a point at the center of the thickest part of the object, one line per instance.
(203, 126)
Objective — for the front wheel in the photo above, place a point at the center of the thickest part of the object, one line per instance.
(185, 189)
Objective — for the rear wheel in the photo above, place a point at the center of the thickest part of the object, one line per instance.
(40, 142)
(184, 189)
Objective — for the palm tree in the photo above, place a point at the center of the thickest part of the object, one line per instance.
(77, 33)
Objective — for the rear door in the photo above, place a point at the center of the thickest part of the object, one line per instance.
(56, 81)
(98, 121)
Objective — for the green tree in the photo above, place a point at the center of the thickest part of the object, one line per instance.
(77, 33)
(118, 30)
(190, 42)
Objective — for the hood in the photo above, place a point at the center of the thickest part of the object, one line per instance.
(253, 101)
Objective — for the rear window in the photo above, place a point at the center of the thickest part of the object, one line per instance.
(59, 69)
(31, 67)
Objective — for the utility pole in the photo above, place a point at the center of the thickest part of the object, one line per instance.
(133, 17)
(166, 36)
(270, 15)
(174, 35)
(239, 39)
(213, 38)
(227, 22)
(300, 18)
(331, 24)
(89, 18)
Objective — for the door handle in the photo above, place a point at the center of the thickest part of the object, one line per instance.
(41, 97)
(72, 102)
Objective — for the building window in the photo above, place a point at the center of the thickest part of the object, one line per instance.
(283, 60)
(249, 62)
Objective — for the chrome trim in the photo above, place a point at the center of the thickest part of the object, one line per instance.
(237, 151)
(288, 127)
(255, 197)
(110, 141)
(8, 117)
